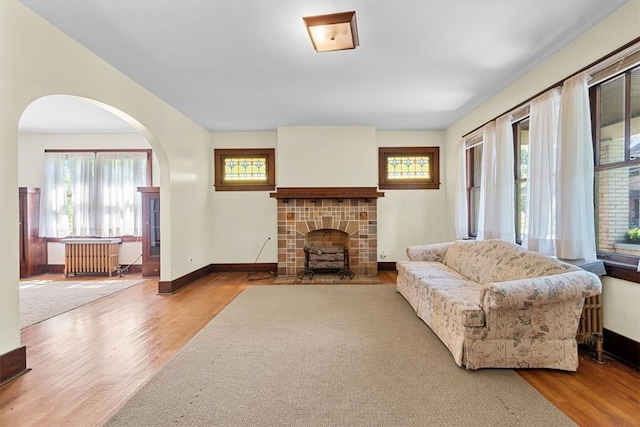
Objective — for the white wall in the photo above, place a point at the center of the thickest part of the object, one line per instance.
(242, 220)
(327, 156)
(622, 27)
(621, 300)
(411, 217)
(333, 156)
(39, 60)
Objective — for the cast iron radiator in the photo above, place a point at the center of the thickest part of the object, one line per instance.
(90, 256)
(590, 327)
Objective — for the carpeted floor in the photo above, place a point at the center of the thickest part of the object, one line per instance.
(43, 299)
(330, 355)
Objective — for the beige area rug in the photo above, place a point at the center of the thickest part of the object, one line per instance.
(332, 355)
(43, 299)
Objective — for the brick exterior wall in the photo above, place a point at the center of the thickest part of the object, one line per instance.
(613, 195)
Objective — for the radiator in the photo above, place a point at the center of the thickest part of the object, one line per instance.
(91, 256)
(590, 327)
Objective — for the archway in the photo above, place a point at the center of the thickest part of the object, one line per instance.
(64, 122)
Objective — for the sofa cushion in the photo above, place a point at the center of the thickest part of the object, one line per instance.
(445, 290)
(455, 300)
(487, 261)
(471, 258)
(427, 269)
(433, 252)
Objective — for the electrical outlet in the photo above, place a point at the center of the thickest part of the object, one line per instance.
(383, 255)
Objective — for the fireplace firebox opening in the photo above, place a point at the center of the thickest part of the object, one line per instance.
(326, 251)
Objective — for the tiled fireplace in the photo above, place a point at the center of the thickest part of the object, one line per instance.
(351, 210)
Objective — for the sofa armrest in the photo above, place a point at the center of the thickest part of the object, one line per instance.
(430, 252)
(524, 293)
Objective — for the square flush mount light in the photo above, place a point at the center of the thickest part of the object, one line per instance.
(337, 31)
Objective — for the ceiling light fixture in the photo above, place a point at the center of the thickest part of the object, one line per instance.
(336, 31)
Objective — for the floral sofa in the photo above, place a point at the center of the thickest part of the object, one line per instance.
(497, 305)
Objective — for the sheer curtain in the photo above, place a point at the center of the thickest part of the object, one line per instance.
(461, 209)
(82, 183)
(497, 208)
(575, 232)
(539, 231)
(54, 217)
(118, 202)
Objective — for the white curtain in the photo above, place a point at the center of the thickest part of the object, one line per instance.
(575, 228)
(82, 182)
(461, 209)
(118, 202)
(54, 217)
(486, 179)
(539, 231)
(497, 208)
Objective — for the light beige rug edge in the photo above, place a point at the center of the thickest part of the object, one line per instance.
(331, 355)
(41, 300)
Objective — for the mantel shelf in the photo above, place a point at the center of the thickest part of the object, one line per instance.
(339, 193)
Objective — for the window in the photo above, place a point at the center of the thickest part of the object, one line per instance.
(245, 169)
(87, 193)
(474, 154)
(474, 174)
(615, 105)
(521, 160)
(408, 168)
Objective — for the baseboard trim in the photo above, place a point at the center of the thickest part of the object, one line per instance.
(248, 268)
(13, 364)
(173, 286)
(387, 266)
(56, 268)
(134, 268)
(622, 348)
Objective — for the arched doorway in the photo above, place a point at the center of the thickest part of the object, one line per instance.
(59, 123)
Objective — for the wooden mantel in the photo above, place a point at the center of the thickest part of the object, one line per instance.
(339, 193)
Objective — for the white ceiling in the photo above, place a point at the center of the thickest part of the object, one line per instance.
(249, 65)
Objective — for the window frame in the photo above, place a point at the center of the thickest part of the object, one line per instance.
(619, 265)
(149, 174)
(517, 172)
(384, 183)
(471, 185)
(220, 154)
(113, 150)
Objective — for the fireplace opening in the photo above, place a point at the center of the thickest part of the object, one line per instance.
(326, 237)
(326, 251)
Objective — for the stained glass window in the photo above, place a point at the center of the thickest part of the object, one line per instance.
(406, 168)
(244, 169)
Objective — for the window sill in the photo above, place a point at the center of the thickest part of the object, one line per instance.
(622, 270)
(628, 246)
(124, 239)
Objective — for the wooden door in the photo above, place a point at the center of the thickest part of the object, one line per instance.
(33, 248)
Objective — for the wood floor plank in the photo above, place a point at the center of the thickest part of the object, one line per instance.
(595, 395)
(88, 362)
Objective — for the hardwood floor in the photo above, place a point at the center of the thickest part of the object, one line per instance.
(88, 362)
